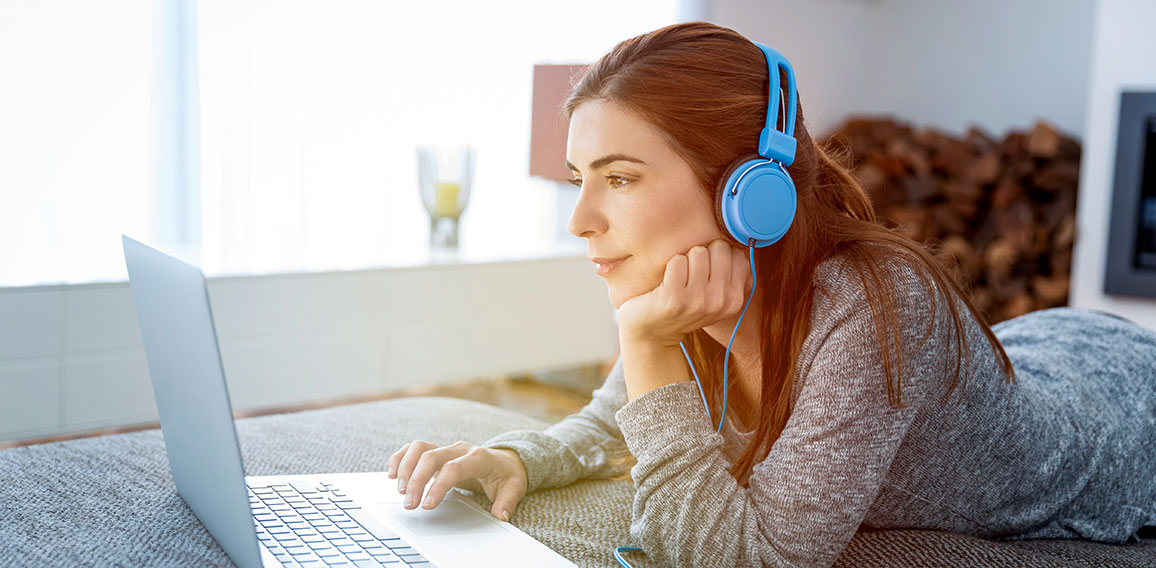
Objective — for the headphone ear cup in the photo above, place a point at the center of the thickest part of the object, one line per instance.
(757, 201)
(725, 184)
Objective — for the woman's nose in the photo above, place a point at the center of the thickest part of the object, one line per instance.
(586, 219)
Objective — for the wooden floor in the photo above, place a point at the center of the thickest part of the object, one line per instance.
(520, 393)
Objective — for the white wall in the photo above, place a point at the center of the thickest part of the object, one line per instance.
(1124, 58)
(999, 64)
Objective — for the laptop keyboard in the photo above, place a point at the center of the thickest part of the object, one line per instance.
(315, 524)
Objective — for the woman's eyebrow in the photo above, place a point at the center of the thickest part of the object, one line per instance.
(607, 159)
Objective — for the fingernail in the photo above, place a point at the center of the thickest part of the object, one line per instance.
(401, 486)
(505, 515)
(409, 500)
(427, 503)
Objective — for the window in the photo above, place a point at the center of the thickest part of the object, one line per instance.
(310, 112)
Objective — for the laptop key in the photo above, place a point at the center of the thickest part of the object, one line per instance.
(335, 560)
(367, 563)
(347, 506)
(419, 559)
(405, 551)
(302, 487)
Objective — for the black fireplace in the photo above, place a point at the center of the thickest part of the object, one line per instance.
(1131, 267)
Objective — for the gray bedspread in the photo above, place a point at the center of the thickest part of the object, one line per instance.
(110, 501)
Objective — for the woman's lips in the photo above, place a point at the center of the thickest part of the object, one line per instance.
(605, 265)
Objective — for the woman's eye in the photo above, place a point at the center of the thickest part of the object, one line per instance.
(616, 181)
(576, 182)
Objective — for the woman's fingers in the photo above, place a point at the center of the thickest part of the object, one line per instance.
(506, 500)
(674, 278)
(427, 465)
(698, 275)
(411, 454)
(394, 461)
(452, 473)
(719, 285)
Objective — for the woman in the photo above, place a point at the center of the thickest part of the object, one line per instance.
(865, 391)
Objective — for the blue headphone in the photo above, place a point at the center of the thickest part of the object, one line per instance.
(757, 200)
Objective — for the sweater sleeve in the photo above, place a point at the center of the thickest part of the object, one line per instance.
(805, 501)
(584, 445)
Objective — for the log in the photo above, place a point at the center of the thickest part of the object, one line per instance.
(998, 214)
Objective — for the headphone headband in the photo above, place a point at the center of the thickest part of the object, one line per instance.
(775, 144)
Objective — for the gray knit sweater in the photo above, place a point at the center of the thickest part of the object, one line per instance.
(1068, 451)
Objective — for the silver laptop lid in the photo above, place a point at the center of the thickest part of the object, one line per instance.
(176, 323)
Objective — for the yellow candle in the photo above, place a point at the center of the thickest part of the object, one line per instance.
(447, 199)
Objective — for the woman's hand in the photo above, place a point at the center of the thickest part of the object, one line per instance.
(699, 288)
(500, 472)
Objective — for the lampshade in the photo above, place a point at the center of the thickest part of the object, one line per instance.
(552, 84)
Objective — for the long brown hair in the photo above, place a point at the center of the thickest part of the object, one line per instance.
(705, 88)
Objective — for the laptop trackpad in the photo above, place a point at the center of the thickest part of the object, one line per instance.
(450, 517)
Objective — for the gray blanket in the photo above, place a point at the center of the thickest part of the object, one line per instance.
(111, 501)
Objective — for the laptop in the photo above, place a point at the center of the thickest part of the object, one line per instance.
(333, 519)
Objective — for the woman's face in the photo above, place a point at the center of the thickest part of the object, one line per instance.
(640, 201)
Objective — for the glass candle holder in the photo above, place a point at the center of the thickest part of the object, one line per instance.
(444, 177)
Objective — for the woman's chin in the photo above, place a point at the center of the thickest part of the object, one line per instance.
(615, 300)
(619, 294)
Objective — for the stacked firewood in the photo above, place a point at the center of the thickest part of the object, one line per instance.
(1001, 215)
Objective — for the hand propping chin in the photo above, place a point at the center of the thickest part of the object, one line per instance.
(701, 287)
